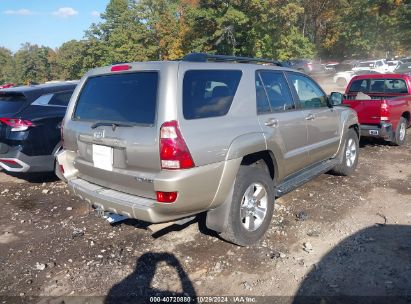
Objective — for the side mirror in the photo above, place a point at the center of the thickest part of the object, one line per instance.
(336, 99)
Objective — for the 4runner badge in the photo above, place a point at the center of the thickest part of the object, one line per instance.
(98, 134)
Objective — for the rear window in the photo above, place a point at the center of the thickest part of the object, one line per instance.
(11, 102)
(388, 86)
(209, 93)
(127, 97)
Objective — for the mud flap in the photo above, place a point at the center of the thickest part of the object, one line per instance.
(66, 158)
(217, 218)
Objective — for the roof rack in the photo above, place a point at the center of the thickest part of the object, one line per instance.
(204, 57)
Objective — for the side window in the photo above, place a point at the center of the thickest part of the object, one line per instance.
(60, 98)
(263, 105)
(273, 87)
(309, 93)
(43, 100)
(209, 93)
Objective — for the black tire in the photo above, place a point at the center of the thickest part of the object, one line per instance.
(348, 164)
(400, 135)
(249, 177)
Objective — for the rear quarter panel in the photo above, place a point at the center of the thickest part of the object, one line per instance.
(43, 138)
(209, 139)
(398, 107)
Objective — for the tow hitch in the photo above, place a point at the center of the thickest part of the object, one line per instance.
(112, 218)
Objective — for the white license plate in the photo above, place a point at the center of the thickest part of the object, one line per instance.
(373, 132)
(103, 157)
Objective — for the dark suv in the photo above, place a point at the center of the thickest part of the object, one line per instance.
(30, 119)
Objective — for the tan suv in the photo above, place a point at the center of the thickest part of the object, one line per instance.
(160, 141)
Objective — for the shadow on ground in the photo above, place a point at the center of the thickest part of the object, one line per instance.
(35, 177)
(373, 142)
(138, 287)
(371, 266)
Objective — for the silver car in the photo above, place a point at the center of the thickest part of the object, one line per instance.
(160, 141)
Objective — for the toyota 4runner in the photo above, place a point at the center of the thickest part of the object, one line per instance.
(160, 141)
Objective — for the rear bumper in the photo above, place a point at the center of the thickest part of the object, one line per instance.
(13, 160)
(131, 206)
(383, 130)
(199, 189)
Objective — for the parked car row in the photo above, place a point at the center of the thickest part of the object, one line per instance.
(345, 72)
(30, 120)
(164, 141)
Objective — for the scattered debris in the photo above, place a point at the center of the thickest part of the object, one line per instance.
(308, 247)
(77, 233)
(384, 217)
(40, 266)
(302, 216)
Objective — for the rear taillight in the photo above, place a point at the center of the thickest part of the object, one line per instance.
(8, 161)
(174, 153)
(17, 124)
(385, 113)
(166, 197)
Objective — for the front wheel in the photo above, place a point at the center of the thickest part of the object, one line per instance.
(401, 132)
(350, 155)
(251, 207)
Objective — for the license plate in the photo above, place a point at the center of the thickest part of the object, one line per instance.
(103, 157)
(373, 132)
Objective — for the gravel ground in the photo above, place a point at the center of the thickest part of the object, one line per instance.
(333, 236)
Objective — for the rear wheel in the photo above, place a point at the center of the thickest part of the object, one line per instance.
(251, 207)
(350, 155)
(401, 132)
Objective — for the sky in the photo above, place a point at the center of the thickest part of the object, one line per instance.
(46, 22)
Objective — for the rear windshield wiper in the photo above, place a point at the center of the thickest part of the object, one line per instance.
(114, 125)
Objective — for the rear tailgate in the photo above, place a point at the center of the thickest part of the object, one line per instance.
(368, 110)
(113, 131)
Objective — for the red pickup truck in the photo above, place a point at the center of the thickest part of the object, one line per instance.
(383, 105)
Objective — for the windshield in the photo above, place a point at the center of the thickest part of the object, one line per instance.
(128, 97)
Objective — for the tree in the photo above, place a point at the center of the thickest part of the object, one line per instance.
(32, 63)
(68, 61)
(7, 71)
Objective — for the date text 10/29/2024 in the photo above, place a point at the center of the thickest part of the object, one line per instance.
(203, 299)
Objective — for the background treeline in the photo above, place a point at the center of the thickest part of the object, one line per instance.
(168, 29)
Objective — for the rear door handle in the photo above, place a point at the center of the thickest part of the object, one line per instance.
(310, 117)
(272, 122)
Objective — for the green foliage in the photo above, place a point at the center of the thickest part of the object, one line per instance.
(6, 66)
(144, 30)
(32, 64)
(68, 61)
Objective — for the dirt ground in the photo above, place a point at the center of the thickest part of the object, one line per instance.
(334, 236)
